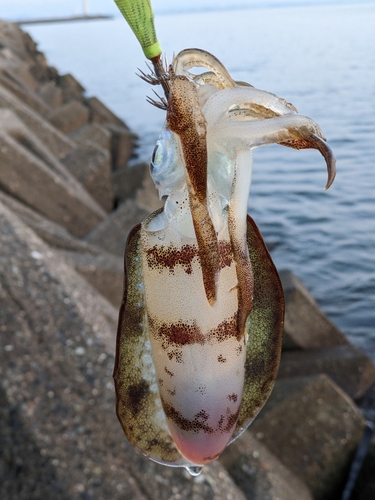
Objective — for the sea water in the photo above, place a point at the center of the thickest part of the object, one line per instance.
(322, 59)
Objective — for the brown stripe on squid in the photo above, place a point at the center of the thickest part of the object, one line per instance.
(176, 334)
(168, 257)
(182, 333)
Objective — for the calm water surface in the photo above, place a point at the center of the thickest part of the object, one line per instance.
(320, 58)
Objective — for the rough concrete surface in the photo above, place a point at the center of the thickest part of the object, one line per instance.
(259, 473)
(91, 165)
(69, 116)
(50, 94)
(105, 272)
(348, 366)
(93, 132)
(35, 101)
(314, 433)
(127, 180)
(306, 326)
(51, 232)
(58, 143)
(101, 114)
(112, 233)
(25, 162)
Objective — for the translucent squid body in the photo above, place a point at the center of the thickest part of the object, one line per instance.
(200, 326)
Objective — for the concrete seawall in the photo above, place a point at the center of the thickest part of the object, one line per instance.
(68, 199)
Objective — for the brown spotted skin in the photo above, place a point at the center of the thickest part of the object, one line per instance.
(185, 118)
(161, 257)
(265, 328)
(138, 403)
(182, 334)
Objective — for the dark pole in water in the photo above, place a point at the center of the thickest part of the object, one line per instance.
(358, 461)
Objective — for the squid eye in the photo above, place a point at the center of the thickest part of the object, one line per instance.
(157, 156)
(166, 165)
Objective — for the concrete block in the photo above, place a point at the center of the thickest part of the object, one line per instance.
(69, 116)
(19, 72)
(93, 132)
(71, 88)
(348, 366)
(55, 235)
(59, 435)
(18, 46)
(104, 271)
(90, 164)
(147, 197)
(13, 126)
(283, 389)
(259, 474)
(126, 181)
(306, 326)
(53, 139)
(314, 433)
(50, 94)
(7, 55)
(23, 93)
(30, 173)
(11, 36)
(16, 40)
(136, 182)
(122, 145)
(112, 232)
(101, 114)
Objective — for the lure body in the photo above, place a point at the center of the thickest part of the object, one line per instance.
(200, 326)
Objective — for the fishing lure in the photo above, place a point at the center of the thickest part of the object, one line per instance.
(200, 326)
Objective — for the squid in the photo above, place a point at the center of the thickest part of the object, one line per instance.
(201, 321)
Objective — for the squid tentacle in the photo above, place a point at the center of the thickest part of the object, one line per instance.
(216, 109)
(237, 222)
(190, 58)
(292, 130)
